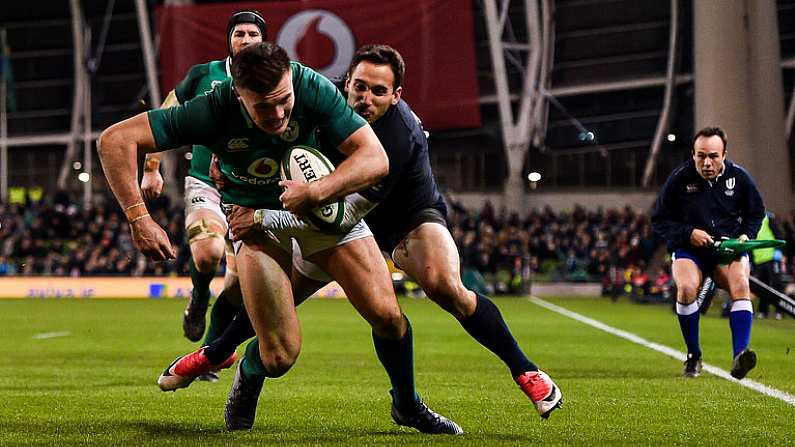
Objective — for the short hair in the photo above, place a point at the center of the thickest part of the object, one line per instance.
(710, 132)
(259, 67)
(381, 55)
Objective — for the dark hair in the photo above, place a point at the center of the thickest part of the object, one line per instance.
(381, 55)
(260, 66)
(245, 16)
(710, 132)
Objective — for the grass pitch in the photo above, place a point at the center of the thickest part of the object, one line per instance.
(84, 372)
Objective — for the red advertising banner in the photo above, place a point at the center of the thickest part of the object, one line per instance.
(435, 37)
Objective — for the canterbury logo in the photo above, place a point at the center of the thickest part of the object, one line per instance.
(730, 183)
(292, 132)
(238, 144)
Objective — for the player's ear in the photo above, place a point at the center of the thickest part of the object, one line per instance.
(396, 95)
(346, 85)
(234, 90)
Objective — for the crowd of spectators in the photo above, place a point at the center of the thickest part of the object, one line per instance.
(61, 238)
(500, 251)
(577, 245)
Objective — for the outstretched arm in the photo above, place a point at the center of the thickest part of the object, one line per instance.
(118, 148)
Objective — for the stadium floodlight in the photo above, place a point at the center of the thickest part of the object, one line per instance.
(534, 176)
(671, 137)
(77, 166)
(84, 177)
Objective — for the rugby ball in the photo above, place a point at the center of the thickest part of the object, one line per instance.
(304, 163)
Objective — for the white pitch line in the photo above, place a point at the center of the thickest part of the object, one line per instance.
(46, 335)
(681, 356)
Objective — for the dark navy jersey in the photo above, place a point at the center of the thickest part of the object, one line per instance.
(727, 206)
(410, 186)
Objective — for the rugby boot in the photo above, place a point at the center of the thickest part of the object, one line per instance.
(184, 370)
(692, 365)
(744, 362)
(241, 403)
(193, 319)
(209, 376)
(424, 419)
(542, 391)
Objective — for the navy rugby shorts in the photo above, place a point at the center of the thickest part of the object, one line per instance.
(705, 259)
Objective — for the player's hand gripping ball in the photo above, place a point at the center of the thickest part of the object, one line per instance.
(304, 163)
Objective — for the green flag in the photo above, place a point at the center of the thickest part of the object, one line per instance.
(728, 249)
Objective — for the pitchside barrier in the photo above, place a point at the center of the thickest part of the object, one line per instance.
(180, 287)
(109, 287)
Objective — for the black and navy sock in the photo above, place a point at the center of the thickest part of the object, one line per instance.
(487, 326)
(397, 356)
(201, 282)
(221, 316)
(238, 331)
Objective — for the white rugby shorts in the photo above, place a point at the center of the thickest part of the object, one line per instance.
(200, 195)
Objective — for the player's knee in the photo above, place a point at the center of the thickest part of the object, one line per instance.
(739, 290)
(207, 260)
(391, 325)
(277, 360)
(686, 293)
(450, 294)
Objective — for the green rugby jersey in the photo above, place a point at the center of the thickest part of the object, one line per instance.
(249, 157)
(199, 80)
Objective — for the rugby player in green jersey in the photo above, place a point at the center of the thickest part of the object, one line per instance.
(205, 223)
(273, 105)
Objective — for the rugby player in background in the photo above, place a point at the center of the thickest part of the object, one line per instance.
(205, 222)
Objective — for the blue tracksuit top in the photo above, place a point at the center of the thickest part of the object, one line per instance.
(727, 206)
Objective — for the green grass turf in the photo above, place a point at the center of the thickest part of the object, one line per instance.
(97, 385)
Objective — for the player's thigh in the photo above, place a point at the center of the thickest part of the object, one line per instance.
(429, 255)
(229, 252)
(232, 286)
(361, 271)
(266, 290)
(307, 277)
(687, 277)
(734, 277)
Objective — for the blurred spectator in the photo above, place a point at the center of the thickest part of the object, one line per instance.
(579, 245)
(61, 238)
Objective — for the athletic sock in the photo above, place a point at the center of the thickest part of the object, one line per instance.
(221, 316)
(201, 282)
(251, 365)
(740, 319)
(397, 356)
(238, 331)
(487, 326)
(688, 322)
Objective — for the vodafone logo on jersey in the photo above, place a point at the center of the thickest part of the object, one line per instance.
(319, 39)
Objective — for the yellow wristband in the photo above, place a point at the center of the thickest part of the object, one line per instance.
(151, 164)
(133, 206)
(138, 218)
